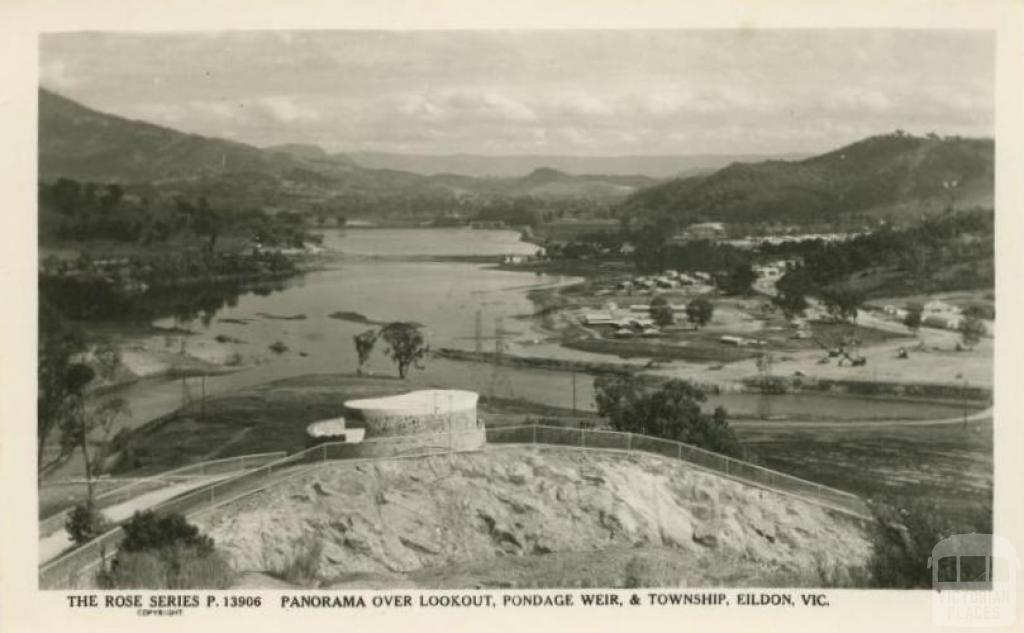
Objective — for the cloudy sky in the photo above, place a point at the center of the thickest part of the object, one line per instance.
(537, 92)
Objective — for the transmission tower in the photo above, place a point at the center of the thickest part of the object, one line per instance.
(500, 385)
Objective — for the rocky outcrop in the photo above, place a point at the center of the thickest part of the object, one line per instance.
(396, 517)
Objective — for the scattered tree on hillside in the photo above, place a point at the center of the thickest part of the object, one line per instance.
(661, 311)
(971, 331)
(842, 303)
(671, 412)
(739, 279)
(406, 345)
(364, 347)
(699, 311)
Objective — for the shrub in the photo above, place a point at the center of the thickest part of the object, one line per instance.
(150, 531)
(174, 567)
(85, 522)
(903, 540)
(304, 566)
(165, 552)
(649, 571)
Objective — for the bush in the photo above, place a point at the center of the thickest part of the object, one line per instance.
(903, 540)
(165, 552)
(649, 571)
(304, 566)
(85, 522)
(173, 567)
(150, 531)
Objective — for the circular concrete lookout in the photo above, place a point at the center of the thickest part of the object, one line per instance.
(436, 415)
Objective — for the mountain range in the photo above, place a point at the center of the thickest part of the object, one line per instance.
(484, 166)
(891, 174)
(81, 143)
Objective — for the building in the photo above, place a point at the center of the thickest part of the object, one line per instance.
(703, 231)
(445, 419)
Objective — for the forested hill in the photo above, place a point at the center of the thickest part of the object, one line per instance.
(891, 175)
(83, 144)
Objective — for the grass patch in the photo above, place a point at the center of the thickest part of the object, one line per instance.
(942, 463)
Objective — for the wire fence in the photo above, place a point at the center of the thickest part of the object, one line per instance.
(69, 569)
(744, 471)
(144, 485)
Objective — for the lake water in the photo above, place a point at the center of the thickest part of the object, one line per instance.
(368, 276)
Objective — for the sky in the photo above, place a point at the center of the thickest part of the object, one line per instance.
(596, 93)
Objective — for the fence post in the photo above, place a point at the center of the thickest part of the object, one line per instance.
(629, 442)
(679, 451)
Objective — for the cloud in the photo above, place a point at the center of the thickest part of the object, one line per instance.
(858, 99)
(465, 103)
(585, 105)
(286, 109)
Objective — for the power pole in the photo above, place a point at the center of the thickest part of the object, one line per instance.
(574, 392)
(479, 333)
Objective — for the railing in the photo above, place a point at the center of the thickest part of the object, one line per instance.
(64, 571)
(142, 485)
(708, 460)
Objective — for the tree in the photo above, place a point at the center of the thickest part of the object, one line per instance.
(739, 280)
(699, 311)
(971, 331)
(792, 290)
(406, 345)
(671, 412)
(843, 303)
(792, 304)
(208, 222)
(661, 311)
(364, 347)
(85, 522)
(60, 376)
(913, 319)
(78, 430)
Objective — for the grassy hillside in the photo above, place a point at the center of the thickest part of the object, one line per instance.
(895, 174)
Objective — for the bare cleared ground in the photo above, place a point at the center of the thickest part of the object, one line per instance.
(551, 517)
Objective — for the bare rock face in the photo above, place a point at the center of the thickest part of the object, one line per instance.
(400, 516)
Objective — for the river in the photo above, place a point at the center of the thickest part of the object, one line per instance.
(384, 275)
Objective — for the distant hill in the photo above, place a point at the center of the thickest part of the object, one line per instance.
(481, 166)
(84, 144)
(78, 142)
(891, 174)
